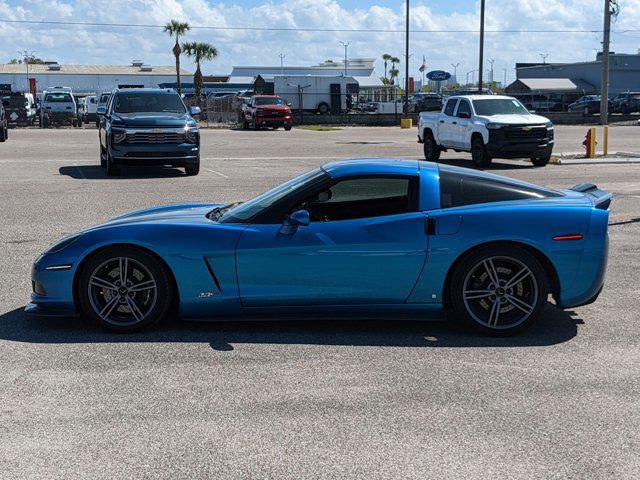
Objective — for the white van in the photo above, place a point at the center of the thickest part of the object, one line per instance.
(91, 108)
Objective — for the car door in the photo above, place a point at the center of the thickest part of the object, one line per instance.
(461, 129)
(365, 243)
(448, 123)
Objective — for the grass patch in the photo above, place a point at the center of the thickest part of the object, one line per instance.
(318, 128)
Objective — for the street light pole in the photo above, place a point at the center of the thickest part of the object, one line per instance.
(346, 60)
(26, 55)
(544, 57)
(491, 72)
(282, 55)
(455, 70)
(406, 65)
(481, 59)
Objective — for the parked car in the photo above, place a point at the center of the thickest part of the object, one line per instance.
(426, 102)
(587, 104)
(81, 103)
(149, 126)
(20, 108)
(91, 104)
(266, 111)
(103, 98)
(627, 102)
(4, 126)
(357, 236)
(488, 126)
(58, 108)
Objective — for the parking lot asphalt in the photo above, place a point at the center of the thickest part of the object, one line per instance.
(308, 398)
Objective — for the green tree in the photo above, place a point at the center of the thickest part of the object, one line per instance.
(386, 57)
(394, 72)
(199, 51)
(177, 29)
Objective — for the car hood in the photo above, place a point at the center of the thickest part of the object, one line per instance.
(152, 119)
(181, 213)
(512, 119)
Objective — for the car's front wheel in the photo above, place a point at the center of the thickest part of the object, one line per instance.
(499, 290)
(541, 161)
(479, 155)
(113, 169)
(4, 133)
(124, 289)
(193, 168)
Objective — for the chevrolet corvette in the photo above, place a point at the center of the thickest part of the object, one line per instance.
(366, 236)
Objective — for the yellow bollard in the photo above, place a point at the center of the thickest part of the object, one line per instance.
(406, 123)
(592, 152)
(605, 142)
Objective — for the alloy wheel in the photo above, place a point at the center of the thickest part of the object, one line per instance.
(122, 291)
(500, 292)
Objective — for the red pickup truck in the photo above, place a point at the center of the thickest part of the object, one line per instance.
(266, 111)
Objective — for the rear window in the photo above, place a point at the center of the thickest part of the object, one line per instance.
(58, 98)
(457, 189)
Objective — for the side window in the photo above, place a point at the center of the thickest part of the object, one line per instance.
(464, 106)
(362, 198)
(451, 105)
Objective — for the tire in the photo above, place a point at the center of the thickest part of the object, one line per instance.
(323, 108)
(245, 125)
(479, 155)
(430, 148)
(113, 169)
(287, 127)
(103, 160)
(193, 168)
(256, 127)
(508, 308)
(3, 134)
(128, 302)
(541, 162)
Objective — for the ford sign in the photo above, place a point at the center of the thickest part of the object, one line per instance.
(438, 75)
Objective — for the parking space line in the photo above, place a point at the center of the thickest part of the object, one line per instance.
(217, 173)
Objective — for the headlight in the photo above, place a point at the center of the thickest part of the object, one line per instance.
(549, 124)
(191, 134)
(494, 126)
(64, 243)
(118, 136)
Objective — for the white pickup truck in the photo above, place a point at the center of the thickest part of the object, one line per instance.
(488, 126)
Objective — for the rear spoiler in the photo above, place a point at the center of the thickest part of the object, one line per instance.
(601, 199)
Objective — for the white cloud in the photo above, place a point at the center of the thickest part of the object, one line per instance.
(110, 45)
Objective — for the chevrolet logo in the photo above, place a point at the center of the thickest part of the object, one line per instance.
(526, 129)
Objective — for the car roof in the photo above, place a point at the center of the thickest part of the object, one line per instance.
(482, 97)
(376, 166)
(145, 90)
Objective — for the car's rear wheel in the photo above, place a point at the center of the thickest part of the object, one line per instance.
(431, 148)
(124, 289)
(479, 155)
(499, 290)
(323, 108)
(541, 161)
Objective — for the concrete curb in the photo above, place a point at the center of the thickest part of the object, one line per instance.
(595, 161)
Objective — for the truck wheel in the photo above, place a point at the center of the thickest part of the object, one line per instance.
(192, 168)
(3, 134)
(323, 108)
(479, 155)
(103, 159)
(287, 127)
(245, 124)
(541, 162)
(431, 148)
(113, 169)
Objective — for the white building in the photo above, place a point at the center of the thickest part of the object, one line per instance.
(88, 78)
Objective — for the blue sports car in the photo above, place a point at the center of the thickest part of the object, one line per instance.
(362, 236)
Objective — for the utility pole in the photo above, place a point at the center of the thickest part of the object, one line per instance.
(544, 57)
(282, 55)
(27, 56)
(504, 84)
(346, 61)
(406, 65)
(606, 38)
(491, 72)
(455, 70)
(481, 60)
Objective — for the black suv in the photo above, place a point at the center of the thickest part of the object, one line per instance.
(145, 126)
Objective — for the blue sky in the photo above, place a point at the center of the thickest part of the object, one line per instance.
(108, 45)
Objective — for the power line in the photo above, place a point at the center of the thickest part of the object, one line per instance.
(295, 29)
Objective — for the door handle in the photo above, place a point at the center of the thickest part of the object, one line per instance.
(430, 226)
(441, 121)
(455, 123)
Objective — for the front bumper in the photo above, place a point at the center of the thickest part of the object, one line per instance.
(516, 142)
(279, 121)
(52, 293)
(163, 154)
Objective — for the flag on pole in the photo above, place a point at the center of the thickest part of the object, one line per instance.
(423, 67)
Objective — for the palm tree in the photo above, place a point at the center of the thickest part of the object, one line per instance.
(199, 51)
(393, 73)
(177, 29)
(386, 57)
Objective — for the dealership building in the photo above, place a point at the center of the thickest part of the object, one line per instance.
(578, 78)
(87, 78)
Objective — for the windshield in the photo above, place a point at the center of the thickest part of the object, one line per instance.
(499, 106)
(58, 98)
(269, 101)
(245, 211)
(148, 102)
